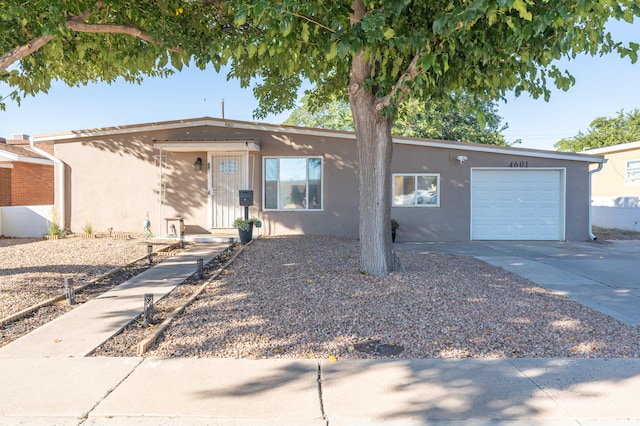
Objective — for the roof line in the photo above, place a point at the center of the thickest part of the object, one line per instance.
(508, 150)
(246, 125)
(614, 148)
(10, 156)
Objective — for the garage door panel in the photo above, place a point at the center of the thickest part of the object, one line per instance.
(521, 204)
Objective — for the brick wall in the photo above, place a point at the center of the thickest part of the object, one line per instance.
(5, 187)
(31, 184)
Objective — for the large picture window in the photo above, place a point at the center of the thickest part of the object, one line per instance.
(416, 190)
(633, 171)
(293, 183)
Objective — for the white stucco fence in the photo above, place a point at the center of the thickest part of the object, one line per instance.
(25, 221)
(616, 212)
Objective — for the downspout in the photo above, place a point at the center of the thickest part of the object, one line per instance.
(591, 172)
(61, 186)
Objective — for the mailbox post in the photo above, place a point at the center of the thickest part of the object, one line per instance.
(246, 200)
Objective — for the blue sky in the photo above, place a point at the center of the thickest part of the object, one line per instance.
(604, 86)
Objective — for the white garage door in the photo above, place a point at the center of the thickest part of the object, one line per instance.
(517, 204)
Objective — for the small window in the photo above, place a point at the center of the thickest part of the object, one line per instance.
(293, 183)
(416, 190)
(633, 172)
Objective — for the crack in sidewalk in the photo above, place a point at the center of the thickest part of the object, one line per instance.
(85, 416)
(320, 398)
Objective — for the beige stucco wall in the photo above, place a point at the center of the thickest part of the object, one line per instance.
(616, 202)
(610, 181)
(110, 184)
(452, 220)
(112, 181)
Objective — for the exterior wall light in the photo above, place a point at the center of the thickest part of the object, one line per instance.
(197, 166)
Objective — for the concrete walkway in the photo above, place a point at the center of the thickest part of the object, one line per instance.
(48, 383)
(81, 330)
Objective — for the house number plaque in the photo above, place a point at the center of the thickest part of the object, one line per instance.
(519, 164)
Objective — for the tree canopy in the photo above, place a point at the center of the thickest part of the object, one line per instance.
(447, 120)
(375, 53)
(82, 41)
(603, 131)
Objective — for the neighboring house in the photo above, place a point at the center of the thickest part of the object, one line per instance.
(305, 181)
(26, 177)
(26, 189)
(616, 189)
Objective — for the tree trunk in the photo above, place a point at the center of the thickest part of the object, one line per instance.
(373, 136)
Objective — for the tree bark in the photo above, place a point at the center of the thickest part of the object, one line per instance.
(20, 52)
(374, 144)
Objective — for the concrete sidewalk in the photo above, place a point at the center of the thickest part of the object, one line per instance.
(179, 391)
(81, 330)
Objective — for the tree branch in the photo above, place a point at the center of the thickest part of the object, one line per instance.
(20, 52)
(76, 24)
(310, 20)
(410, 74)
(83, 27)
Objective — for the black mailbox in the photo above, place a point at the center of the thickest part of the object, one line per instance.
(246, 197)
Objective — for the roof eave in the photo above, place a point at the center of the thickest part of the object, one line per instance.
(245, 125)
(9, 156)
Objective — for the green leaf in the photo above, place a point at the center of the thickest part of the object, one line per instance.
(428, 61)
(633, 54)
(389, 33)
(333, 51)
(521, 7)
(262, 48)
(240, 20)
(288, 30)
(239, 51)
(251, 50)
(305, 32)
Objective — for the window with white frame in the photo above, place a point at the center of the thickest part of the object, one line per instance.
(293, 183)
(421, 190)
(633, 171)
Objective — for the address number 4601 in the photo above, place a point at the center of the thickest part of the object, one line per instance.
(519, 164)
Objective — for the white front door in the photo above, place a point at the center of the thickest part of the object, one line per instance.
(227, 175)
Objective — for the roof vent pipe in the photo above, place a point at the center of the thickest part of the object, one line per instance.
(61, 194)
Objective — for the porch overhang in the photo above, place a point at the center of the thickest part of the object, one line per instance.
(243, 145)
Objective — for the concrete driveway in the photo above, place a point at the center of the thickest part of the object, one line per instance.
(603, 275)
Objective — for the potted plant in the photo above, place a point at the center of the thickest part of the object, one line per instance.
(245, 228)
(394, 227)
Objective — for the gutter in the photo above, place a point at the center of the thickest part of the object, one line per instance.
(60, 167)
(591, 172)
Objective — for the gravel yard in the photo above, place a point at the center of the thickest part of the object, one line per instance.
(299, 297)
(34, 270)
